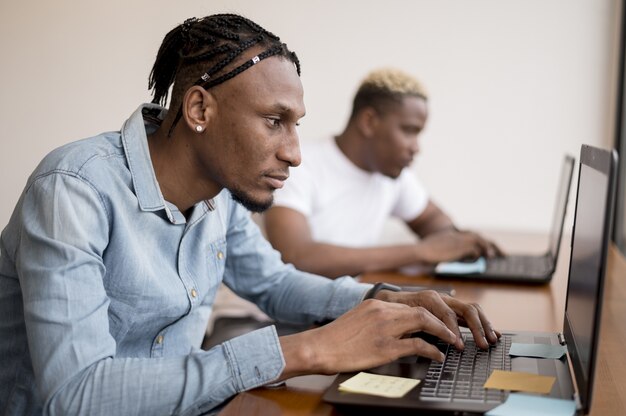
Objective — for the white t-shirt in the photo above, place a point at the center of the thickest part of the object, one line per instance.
(346, 205)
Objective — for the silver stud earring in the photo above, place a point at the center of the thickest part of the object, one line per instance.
(199, 128)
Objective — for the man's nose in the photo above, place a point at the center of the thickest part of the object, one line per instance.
(415, 146)
(289, 151)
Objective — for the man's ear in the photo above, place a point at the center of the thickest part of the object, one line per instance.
(199, 106)
(367, 121)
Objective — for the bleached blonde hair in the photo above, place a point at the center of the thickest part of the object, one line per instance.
(394, 81)
(385, 86)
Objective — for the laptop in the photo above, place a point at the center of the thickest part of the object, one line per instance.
(456, 385)
(521, 268)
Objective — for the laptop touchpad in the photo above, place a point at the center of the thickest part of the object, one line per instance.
(524, 364)
(541, 366)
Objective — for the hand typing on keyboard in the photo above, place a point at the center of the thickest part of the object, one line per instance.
(456, 245)
(378, 330)
(452, 312)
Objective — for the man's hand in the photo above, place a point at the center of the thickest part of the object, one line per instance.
(371, 334)
(451, 312)
(377, 332)
(455, 245)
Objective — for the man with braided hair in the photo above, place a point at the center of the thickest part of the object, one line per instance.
(329, 216)
(111, 260)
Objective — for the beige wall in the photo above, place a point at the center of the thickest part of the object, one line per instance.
(514, 83)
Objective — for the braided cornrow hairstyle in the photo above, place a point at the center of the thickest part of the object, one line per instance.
(199, 51)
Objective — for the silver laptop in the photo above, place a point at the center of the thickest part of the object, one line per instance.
(456, 385)
(527, 268)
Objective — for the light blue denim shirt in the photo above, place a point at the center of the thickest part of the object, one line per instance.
(106, 289)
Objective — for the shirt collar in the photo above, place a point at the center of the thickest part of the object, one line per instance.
(146, 119)
(135, 142)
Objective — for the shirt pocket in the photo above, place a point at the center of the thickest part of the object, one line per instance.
(216, 264)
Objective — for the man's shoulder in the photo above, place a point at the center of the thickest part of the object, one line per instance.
(408, 179)
(79, 157)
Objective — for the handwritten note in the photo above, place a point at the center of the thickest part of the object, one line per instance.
(537, 350)
(378, 385)
(517, 381)
(528, 405)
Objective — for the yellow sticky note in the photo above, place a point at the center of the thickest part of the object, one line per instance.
(517, 381)
(378, 385)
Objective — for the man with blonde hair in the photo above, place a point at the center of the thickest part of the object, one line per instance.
(329, 216)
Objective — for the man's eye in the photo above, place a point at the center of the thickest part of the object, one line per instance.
(274, 122)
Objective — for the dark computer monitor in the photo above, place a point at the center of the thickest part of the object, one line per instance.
(590, 239)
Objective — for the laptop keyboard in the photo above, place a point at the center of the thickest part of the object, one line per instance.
(460, 378)
(521, 265)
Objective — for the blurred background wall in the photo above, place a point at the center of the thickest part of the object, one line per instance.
(514, 84)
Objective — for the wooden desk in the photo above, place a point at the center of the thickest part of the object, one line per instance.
(509, 306)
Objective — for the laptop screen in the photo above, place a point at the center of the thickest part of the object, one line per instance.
(560, 208)
(587, 263)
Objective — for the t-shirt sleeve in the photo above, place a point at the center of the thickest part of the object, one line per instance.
(412, 197)
(298, 191)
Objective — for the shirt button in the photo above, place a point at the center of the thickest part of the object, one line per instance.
(194, 293)
(220, 255)
(159, 339)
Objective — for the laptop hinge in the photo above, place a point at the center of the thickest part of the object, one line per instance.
(575, 395)
(550, 262)
(576, 398)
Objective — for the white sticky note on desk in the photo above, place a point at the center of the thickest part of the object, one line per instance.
(461, 267)
(537, 350)
(528, 405)
(378, 385)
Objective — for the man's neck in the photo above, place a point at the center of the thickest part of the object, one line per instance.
(180, 178)
(351, 143)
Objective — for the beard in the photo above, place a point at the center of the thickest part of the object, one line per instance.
(249, 203)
